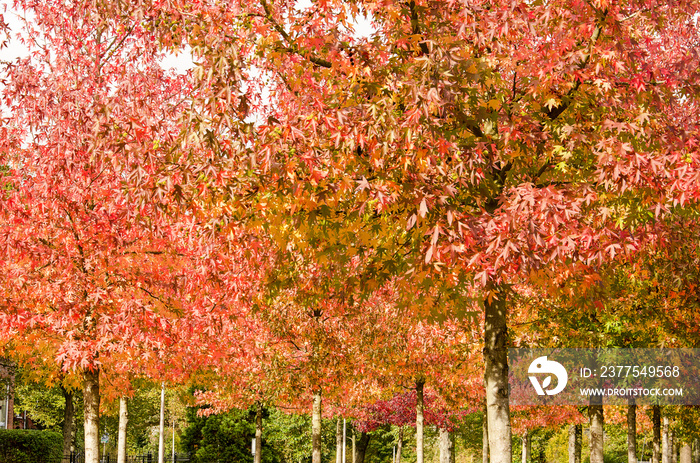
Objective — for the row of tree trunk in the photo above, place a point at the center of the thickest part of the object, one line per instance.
(665, 448)
(359, 446)
(91, 400)
(91, 397)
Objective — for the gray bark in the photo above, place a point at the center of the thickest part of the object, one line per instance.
(74, 434)
(258, 433)
(496, 376)
(354, 447)
(338, 441)
(446, 447)
(68, 423)
(595, 415)
(121, 437)
(665, 442)
(575, 433)
(686, 454)
(399, 445)
(419, 420)
(674, 447)
(631, 432)
(316, 429)
(91, 403)
(526, 458)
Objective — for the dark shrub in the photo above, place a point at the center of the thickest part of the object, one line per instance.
(28, 446)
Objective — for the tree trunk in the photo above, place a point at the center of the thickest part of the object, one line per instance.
(595, 415)
(496, 375)
(316, 429)
(526, 458)
(631, 431)
(361, 448)
(354, 447)
(656, 435)
(686, 454)
(665, 443)
(485, 436)
(121, 436)
(575, 432)
(446, 447)
(68, 423)
(91, 403)
(399, 445)
(696, 450)
(419, 420)
(674, 446)
(73, 434)
(258, 433)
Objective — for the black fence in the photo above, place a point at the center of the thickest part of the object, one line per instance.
(79, 457)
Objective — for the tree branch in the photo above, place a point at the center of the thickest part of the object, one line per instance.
(292, 45)
(415, 26)
(555, 111)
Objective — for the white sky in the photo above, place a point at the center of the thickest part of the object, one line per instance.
(180, 63)
(15, 49)
(363, 25)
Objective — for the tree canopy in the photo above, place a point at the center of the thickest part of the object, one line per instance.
(307, 195)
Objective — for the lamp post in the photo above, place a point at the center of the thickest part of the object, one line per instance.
(104, 439)
(161, 450)
(345, 429)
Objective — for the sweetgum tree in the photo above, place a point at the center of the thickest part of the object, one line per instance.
(471, 141)
(83, 269)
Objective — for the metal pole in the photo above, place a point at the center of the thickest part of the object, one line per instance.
(345, 429)
(161, 450)
(7, 408)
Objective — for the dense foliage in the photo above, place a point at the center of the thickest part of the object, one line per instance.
(346, 224)
(223, 437)
(26, 446)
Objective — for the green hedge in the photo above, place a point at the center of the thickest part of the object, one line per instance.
(27, 446)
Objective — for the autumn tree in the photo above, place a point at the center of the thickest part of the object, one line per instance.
(474, 142)
(82, 266)
(436, 356)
